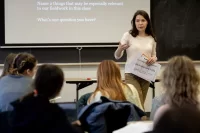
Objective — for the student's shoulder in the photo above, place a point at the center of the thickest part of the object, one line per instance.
(97, 95)
(5, 79)
(94, 97)
(161, 110)
(28, 79)
(130, 87)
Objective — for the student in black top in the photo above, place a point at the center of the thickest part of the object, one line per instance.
(34, 112)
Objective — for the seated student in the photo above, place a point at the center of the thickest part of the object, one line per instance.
(178, 120)
(8, 64)
(82, 101)
(34, 112)
(19, 81)
(181, 83)
(110, 85)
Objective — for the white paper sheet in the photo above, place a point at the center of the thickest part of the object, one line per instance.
(138, 127)
(139, 67)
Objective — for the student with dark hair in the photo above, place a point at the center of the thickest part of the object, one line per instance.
(34, 111)
(8, 64)
(139, 39)
(19, 80)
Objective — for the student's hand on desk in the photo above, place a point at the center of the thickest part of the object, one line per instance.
(151, 60)
(123, 46)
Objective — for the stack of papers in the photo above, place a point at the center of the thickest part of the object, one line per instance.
(139, 68)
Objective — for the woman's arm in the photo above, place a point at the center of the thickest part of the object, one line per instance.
(123, 45)
(153, 57)
(120, 50)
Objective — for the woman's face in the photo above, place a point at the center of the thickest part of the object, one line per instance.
(141, 23)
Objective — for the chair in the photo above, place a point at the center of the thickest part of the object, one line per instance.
(5, 125)
(116, 119)
(106, 115)
(69, 109)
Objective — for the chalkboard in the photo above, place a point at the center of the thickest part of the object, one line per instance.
(177, 27)
(66, 55)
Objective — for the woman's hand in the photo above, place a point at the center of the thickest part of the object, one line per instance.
(151, 60)
(123, 46)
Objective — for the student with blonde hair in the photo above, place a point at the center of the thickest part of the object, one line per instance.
(181, 82)
(110, 85)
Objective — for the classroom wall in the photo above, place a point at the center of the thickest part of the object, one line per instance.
(68, 93)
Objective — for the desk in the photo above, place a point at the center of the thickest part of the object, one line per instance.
(82, 83)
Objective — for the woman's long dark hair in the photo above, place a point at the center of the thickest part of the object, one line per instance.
(149, 30)
(49, 80)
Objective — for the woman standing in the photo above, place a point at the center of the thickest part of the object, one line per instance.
(139, 39)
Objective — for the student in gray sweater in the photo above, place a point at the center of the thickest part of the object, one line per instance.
(19, 81)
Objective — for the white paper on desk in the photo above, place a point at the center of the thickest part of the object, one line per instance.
(138, 127)
(139, 67)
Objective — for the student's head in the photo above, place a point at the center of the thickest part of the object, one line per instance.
(108, 71)
(24, 64)
(48, 80)
(178, 120)
(181, 81)
(8, 64)
(141, 23)
(109, 80)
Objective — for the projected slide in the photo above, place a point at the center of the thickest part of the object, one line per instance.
(69, 21)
